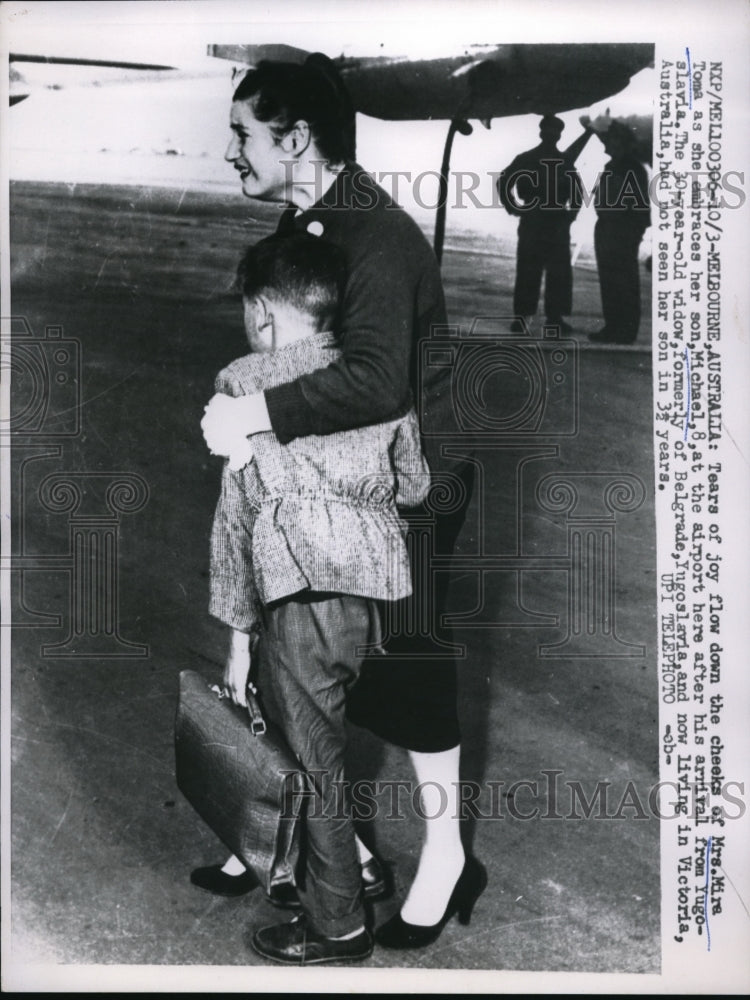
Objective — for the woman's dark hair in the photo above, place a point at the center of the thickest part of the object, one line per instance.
(302, 270)
(284, 93)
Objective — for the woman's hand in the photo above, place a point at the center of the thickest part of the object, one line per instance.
(237, 668)
(229, 419)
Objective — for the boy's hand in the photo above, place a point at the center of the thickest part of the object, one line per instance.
(237, 668)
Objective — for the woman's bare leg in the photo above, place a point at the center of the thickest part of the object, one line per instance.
(442, 857)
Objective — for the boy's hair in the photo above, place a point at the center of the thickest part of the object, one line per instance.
(301, 270)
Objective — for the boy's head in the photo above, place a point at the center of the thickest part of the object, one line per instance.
(291, 287)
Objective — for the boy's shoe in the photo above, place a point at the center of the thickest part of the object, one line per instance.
(296, 943)
(375, 885)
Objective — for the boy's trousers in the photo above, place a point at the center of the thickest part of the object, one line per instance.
(311, 649)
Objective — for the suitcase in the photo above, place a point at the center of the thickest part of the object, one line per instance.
(239, 774)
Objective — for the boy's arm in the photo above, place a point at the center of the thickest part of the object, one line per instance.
(409, 463)
(234, 596)
(237, 667)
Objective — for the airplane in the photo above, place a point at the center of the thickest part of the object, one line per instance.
(479, 81)
(482, 82)
(20, 90)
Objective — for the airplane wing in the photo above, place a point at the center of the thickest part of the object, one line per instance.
(485, 82)
(19, 89)
(15, 57)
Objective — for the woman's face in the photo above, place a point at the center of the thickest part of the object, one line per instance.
(256, 155)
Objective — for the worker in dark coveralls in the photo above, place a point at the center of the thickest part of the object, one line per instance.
(623, 215)
(543, 188)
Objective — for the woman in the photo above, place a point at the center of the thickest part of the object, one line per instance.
(293, 142)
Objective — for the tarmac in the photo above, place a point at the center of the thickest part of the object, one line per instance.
(555, 692)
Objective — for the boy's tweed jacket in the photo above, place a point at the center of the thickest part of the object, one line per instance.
(318, 513)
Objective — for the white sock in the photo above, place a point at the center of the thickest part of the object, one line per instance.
(442, 858)
(362, 851)
(347, 937)
(233, 866)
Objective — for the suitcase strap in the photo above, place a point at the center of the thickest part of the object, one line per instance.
(257, 722)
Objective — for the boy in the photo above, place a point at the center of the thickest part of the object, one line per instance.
(306, 540)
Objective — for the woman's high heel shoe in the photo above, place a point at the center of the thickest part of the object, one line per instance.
(397, 933)
(214, 880)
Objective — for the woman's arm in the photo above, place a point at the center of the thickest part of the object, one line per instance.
(393, 297)
(370, 382)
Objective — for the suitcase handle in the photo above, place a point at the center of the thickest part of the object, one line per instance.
(257, 722)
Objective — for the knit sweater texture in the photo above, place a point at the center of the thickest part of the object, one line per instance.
(317, 514)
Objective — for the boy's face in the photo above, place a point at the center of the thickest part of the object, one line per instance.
(258, 326)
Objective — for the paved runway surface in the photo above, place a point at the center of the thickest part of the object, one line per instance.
(103, 842)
